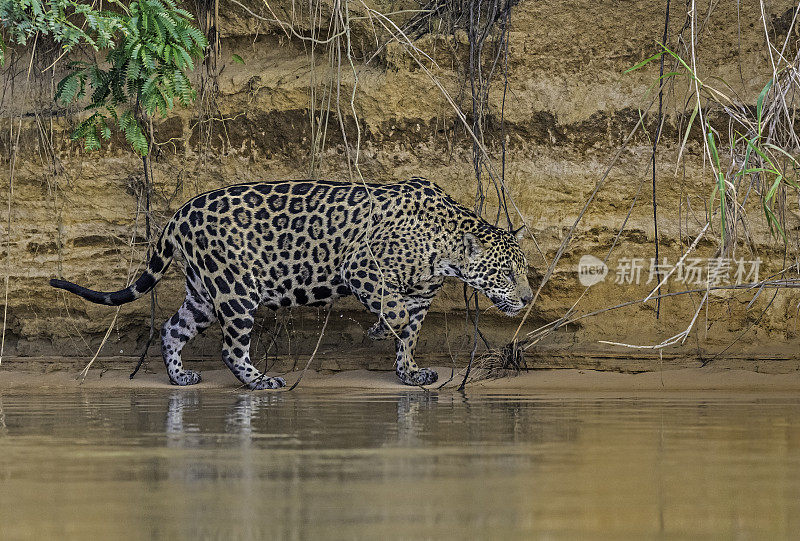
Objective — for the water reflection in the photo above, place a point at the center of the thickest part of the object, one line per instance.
(193, 463)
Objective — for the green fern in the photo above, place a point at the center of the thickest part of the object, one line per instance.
(133, 133)
(150, 47)
(69, 86)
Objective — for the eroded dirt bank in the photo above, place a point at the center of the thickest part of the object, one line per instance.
(568, 107)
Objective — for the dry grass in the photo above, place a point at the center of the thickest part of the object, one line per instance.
(755, 158)
(507, 361)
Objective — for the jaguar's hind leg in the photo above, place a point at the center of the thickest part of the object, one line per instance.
(236, 350)
(193, 317)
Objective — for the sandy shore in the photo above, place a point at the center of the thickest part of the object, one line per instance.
(687, 379)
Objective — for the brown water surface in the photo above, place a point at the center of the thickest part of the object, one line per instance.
(193, 464)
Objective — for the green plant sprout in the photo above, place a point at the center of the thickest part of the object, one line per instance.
(761, 156)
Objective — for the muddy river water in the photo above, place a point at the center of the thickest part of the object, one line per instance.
(189, 464)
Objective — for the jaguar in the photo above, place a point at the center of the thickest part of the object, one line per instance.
(307, 243)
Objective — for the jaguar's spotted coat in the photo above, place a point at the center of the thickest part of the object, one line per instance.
(296, 243)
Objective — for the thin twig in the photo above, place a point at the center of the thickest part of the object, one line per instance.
(571, 232)
(14, 153)
(313, 353)
(655, 148)
(83, 373)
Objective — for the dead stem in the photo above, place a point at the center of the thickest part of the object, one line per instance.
(14, 152)
(313, 353)
(572, 229)
(83, 373)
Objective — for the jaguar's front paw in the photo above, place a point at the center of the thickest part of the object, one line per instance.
(423, 376)
(267, 383)
(379, 331)
(185, 377)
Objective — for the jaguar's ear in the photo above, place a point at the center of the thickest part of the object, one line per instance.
(472, 246)
(519, 233)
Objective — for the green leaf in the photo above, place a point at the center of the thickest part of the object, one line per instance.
(133, 133)
(91, 141)
(679, 59)
(756, 170)
(760, 104)
(134, 69)
(773, 221)
(105, 130)
(773, 188)
(68, 87)
(688, 129)
(761, 153)
(187, 60)
(782, 151)
(720, 180)
(636, 66)
(237, 58)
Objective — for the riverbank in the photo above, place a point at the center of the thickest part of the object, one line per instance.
(683, 379)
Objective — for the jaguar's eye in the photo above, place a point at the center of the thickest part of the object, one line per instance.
(510, 277)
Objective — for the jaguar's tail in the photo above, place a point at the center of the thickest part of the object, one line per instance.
(158, 265)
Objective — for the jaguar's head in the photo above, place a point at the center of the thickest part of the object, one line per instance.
(493, 263)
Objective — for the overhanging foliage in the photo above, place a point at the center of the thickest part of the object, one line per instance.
(150, 48)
